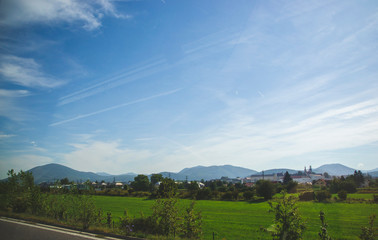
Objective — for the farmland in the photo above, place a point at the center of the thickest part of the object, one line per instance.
(242, 220)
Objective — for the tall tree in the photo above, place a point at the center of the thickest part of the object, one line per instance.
(265, 189)
(358, 178)
(141, 183)
(155, 178)
(167, 188)
(287, 178)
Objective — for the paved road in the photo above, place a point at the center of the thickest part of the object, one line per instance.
(20, 230)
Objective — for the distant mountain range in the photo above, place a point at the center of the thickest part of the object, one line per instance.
(279, 170)
(53, 172)
(216, 172)
(335, 169)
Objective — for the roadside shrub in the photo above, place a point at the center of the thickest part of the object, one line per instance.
(35, 201)
(19, 204)
(126, 224)
(323, 195)
(192, 225)
(307, 196)
(342, 195)
(81, 210)
(55, 205)
(167, 219)
(108, 219)
(165, 216)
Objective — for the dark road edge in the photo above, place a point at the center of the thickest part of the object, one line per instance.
(52, 227)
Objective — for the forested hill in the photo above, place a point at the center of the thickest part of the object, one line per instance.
(52, 172)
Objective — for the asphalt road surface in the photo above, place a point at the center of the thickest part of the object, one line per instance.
(20, 230)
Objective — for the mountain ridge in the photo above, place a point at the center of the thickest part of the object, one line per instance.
(53, 171)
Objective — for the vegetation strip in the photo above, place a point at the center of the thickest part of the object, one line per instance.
(163, 215)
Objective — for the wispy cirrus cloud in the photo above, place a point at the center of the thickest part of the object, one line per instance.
(87, 13)
(26, 72)
(115, 107)
(9, 104)
(191, 52)
(2, 136)
(129, 75)
(14, 93)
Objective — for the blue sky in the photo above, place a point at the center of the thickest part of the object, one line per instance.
(147, 86)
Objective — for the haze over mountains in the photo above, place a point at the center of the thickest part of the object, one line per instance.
(53, 172)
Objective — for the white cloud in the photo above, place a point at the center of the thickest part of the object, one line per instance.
(25, 72)
(87, 13)
(14, 93)
(102, 156)
(6, 135)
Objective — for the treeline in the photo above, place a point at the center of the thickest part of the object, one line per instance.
(341, 186)
(142, 186)
(221, 190)
(157, 185)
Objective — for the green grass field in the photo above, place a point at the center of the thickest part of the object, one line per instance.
(242, 220)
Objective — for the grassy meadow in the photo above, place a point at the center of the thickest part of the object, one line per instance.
(242, 220)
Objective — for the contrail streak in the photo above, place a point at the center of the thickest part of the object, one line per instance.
(114, 81)
(115, 107)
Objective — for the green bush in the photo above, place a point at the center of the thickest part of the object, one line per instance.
(307, 196)
(165, 216)
(342, 195)
(265, 189)
(192, 224)
(323, 233)
(167, 219)
(288, 223)
(203, 194)
(248, 195)
(368, 233)
(323, 195)
(19, 204)
(230, 195)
